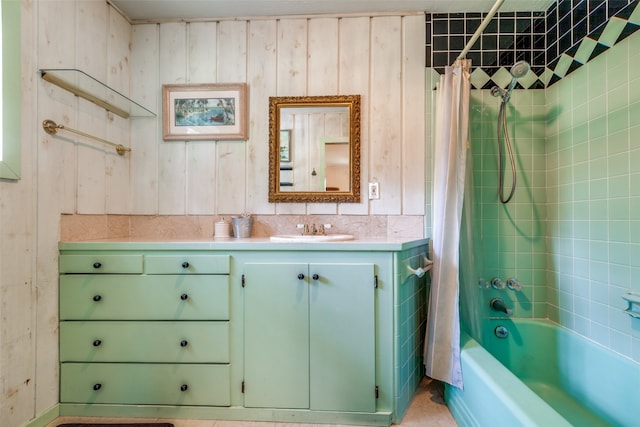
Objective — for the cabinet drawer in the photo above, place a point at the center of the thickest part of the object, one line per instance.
(145, 384)
(156, 342)
(142, 297)
(94, 263)
(186, 264)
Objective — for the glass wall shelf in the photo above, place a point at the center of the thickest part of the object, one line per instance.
(83, 85)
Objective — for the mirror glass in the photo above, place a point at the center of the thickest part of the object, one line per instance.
(10, 76)
(314, 149)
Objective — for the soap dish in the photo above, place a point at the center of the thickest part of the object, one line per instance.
(633, 309)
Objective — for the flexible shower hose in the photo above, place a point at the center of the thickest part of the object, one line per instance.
(503, 133)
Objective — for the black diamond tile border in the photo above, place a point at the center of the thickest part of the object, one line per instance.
(555, 42)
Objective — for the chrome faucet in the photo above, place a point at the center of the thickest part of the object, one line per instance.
(497, 304)
(313, 229)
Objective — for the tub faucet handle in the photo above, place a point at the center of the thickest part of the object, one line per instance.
(514, 284)
(497, 283)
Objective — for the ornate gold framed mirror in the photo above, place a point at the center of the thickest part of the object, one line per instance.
(314, 149)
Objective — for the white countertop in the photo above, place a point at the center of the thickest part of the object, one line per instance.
(250, 244)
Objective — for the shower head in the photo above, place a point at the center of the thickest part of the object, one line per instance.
(520, 69)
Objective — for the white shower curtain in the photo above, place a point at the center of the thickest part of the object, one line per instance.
(442, 341)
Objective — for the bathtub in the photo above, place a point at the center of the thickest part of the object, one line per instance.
(543, 375)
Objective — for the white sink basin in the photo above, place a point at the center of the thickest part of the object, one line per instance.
(313, 238)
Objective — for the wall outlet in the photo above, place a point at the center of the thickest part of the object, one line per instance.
(374, 191)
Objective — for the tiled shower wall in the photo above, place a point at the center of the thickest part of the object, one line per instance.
(593, 197)
(572, 233)
(512, 235)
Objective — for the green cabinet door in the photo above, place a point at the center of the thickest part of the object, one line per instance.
(342, 337)
(276, 336)
(310, 336)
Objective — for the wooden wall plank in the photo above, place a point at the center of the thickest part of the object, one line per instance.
(146, 132)
(261, 76)
(172, 154)
(386, 114)
(118, 179)
(56, 154)
(323, 76)
(413, 116)
(92, 36)
(292, 57)
(231, 156)
(354, 74)
(56, 33)
(323, 56)
(201, 164)
(291, 78)
(91, 159)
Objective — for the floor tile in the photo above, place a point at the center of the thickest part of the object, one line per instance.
(426, 409)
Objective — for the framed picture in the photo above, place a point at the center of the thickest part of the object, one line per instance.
(204, 111)
(285, 146)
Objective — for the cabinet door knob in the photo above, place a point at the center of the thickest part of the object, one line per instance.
(97, 265)
(184, 387)
(300, 276)
(97, 386)
(185, 264)
(184, 297)
(97, 298)
(315, 276)
(184, 343)
(97, 343)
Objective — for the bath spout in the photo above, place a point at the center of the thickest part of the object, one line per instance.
(497, 304)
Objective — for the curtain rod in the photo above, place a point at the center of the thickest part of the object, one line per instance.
(481, 28)
(52, 128)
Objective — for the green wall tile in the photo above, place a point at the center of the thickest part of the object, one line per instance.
(634, 116)
(597, 106)
(618, 163)
(618, 98)
(584, 51)
(598, 127)
(612, 31)
(617, 121)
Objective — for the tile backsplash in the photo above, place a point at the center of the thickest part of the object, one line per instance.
(97, 227)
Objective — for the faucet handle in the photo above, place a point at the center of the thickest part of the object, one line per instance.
(497, 283)
(514, 284)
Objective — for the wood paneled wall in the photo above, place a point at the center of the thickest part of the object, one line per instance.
(380, 58)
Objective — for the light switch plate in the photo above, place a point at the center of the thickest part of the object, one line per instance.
(374, 191)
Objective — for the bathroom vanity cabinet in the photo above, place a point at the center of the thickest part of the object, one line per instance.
(144, 329)
(243, 329)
